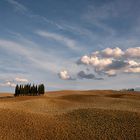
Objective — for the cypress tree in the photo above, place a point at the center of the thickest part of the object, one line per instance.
(30, 90)
(36, 91)
(41, 89)
(16, 90)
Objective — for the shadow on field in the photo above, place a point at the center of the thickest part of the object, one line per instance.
(78, 97)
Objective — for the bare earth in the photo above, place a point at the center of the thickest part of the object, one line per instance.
(71, 115)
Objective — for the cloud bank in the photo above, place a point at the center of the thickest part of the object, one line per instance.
(8, 84)
(108, 62)
(112, 61)
(12, 83)
(21, 79)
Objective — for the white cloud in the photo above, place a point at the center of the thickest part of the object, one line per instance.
(133, 70)
(17, 79)
(133, 52)
(100, 63)
(113, 61)
(62, 39)
(111, 72)
(8, 84)
(133, 63)
(119, 53)
(13, 82)
(95, 61)
(85, 59)
(64, 75)
(109, 52)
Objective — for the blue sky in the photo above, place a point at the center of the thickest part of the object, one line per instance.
(83, 44)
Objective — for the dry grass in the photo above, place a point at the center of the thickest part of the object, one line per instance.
(71, 115)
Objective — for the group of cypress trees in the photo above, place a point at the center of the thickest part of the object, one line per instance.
(29, 90)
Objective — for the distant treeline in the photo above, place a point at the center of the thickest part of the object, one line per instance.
(29, 90)
(130, 89)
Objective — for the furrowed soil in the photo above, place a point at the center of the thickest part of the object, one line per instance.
(71, 115)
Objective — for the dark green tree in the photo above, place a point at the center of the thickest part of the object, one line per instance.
(16, 90)
(41, 89)
(29, 90)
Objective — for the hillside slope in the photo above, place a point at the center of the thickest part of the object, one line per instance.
(71, 115)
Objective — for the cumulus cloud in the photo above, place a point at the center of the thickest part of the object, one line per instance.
(98, 63)
(8, 84)
(109, 52)
(12, 83)
(133, 52)
(17, 79)
(64, 75)
(133, 70)
(133, 63)
(112, 61)
(111, 73)
(118, 53)
(108, 62)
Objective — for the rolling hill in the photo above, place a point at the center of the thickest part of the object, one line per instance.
(71, 115)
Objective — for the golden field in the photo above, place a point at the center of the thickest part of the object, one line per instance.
(71, 115)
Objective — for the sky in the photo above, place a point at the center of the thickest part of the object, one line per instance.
(73, 44)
